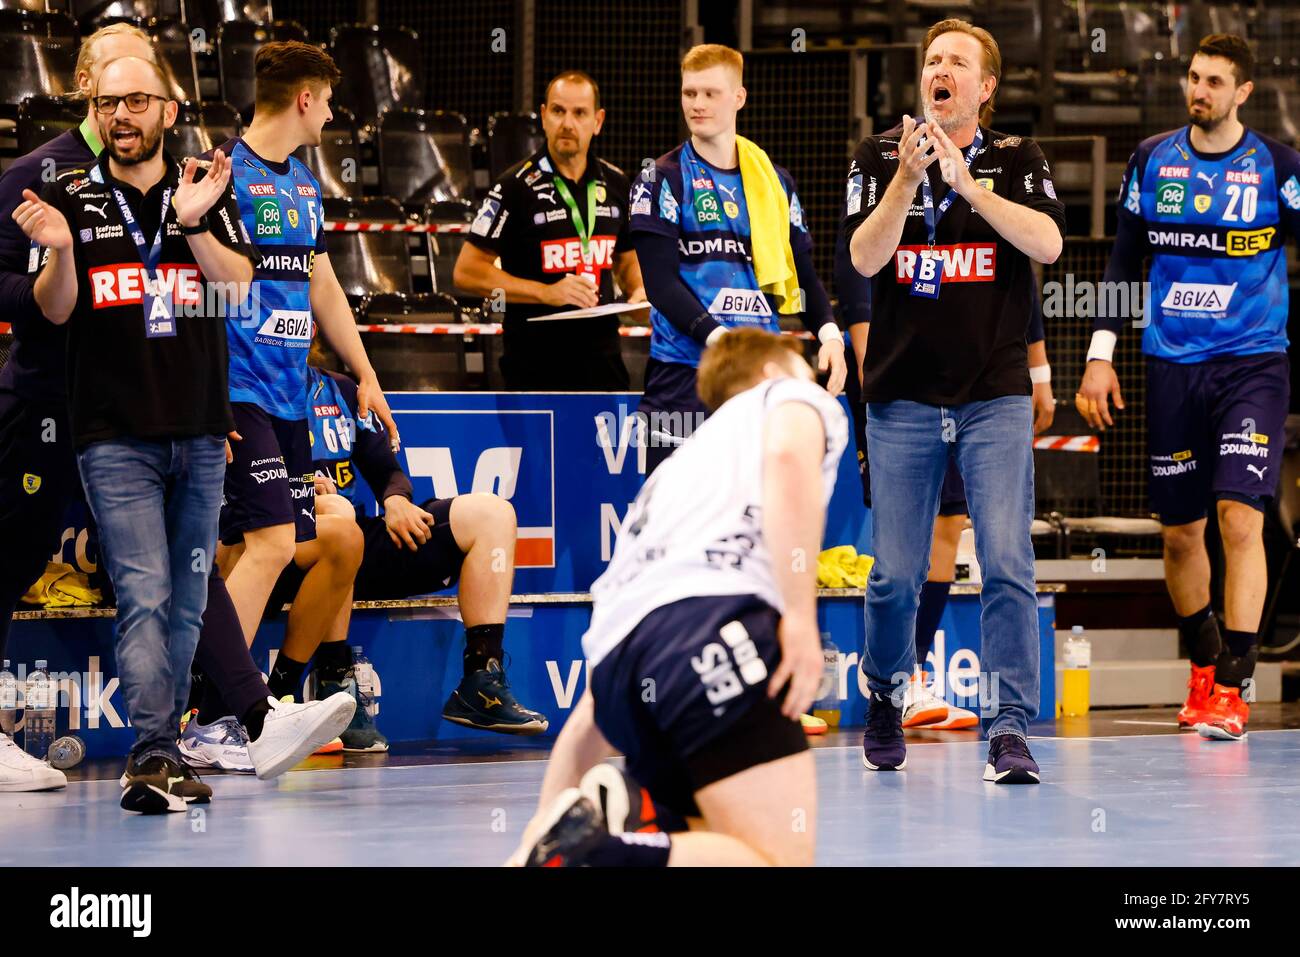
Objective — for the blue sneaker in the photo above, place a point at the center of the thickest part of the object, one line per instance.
(483, 700)
(361, 734)
(1010, 761)
(883, 748)
(222, 744)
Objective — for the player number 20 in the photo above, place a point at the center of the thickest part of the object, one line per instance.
(1249, 198)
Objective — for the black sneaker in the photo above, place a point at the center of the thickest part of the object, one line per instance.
(483, 700)
(883, 748)
(573, 829)
(159, 785)
(1010, 761)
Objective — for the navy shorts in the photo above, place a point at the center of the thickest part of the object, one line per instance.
(1215, 431)
(38, 480)
(952, 493)
(271, 480)
(682, 730)
(389, 573)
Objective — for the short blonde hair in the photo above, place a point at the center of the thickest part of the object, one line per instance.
(735, 362)
(86, 58)
(707, 55)
(992, 55)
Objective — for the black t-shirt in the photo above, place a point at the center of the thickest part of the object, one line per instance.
(969, 343)
(121, 381)
(524, 221)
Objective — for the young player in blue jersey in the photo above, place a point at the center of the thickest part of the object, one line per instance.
(722, 243)
(1211, 204)
(268, 519)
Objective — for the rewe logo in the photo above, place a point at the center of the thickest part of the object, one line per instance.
(75, 910)
(124, 284)
(565, 255)
(963, 262)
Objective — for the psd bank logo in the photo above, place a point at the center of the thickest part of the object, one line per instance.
(510, 453)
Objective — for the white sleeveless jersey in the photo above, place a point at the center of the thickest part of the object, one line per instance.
(696, 529)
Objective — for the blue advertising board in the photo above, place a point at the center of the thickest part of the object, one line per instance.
(570, 466)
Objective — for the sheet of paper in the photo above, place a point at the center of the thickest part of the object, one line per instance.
(613, 309)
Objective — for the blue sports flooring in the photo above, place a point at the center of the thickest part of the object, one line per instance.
(1139, 799)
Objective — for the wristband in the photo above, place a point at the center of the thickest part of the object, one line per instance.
(1102, 345)
(1040, 375)
(830, 332)
(201, 227)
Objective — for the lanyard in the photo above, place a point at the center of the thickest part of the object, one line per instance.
(584, 230)
(932, 215)
(149, 257)
(91, 136)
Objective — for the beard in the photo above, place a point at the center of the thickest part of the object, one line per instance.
(150, 144)
(955, 119)
(1208, 121)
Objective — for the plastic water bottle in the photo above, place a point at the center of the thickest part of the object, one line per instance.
(67, 752)
(367, 684)
(827, 705)
(9, 716)
(1075, 685)
(38, 713)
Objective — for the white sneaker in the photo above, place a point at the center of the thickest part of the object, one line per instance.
(293, 731)
(921, 707)
(222, 744)
(19, 771)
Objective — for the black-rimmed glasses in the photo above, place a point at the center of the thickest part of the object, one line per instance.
(135, 102)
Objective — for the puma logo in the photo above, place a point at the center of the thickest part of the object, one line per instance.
(99, 209)
(1257, 470)
(1208, 179)
(731, 193)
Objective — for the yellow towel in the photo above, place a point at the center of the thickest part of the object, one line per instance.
(843, 567)
(62, 586)
(769, 228)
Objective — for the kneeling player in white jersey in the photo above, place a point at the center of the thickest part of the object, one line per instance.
(704, 647)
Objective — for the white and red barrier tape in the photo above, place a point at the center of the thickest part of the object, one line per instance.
(1068, 443)
(493, 329)
(358, 227)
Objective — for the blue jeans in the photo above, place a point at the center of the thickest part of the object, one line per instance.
(909, 444)
(156, 504)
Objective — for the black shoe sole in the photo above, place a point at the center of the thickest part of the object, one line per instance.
(144, 798)
(1014, 776)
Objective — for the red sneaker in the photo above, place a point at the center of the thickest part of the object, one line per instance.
(1226, 717)
(1199, 687)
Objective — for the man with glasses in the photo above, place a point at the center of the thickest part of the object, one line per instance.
(128, 254)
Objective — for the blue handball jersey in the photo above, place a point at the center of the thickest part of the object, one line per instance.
(703, 208)
(281, 208)
(1215, 227)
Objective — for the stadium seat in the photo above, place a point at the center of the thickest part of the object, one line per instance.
(443, 248)
(41, 118)
(210, 15)
(367, 263)
(510, 138)
(200, 128)
(336, 163)
(237, 44)
(424, 155)
(93, 14)
(39, 51)
(382, 70)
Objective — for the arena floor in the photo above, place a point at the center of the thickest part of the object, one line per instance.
(1120, 788)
